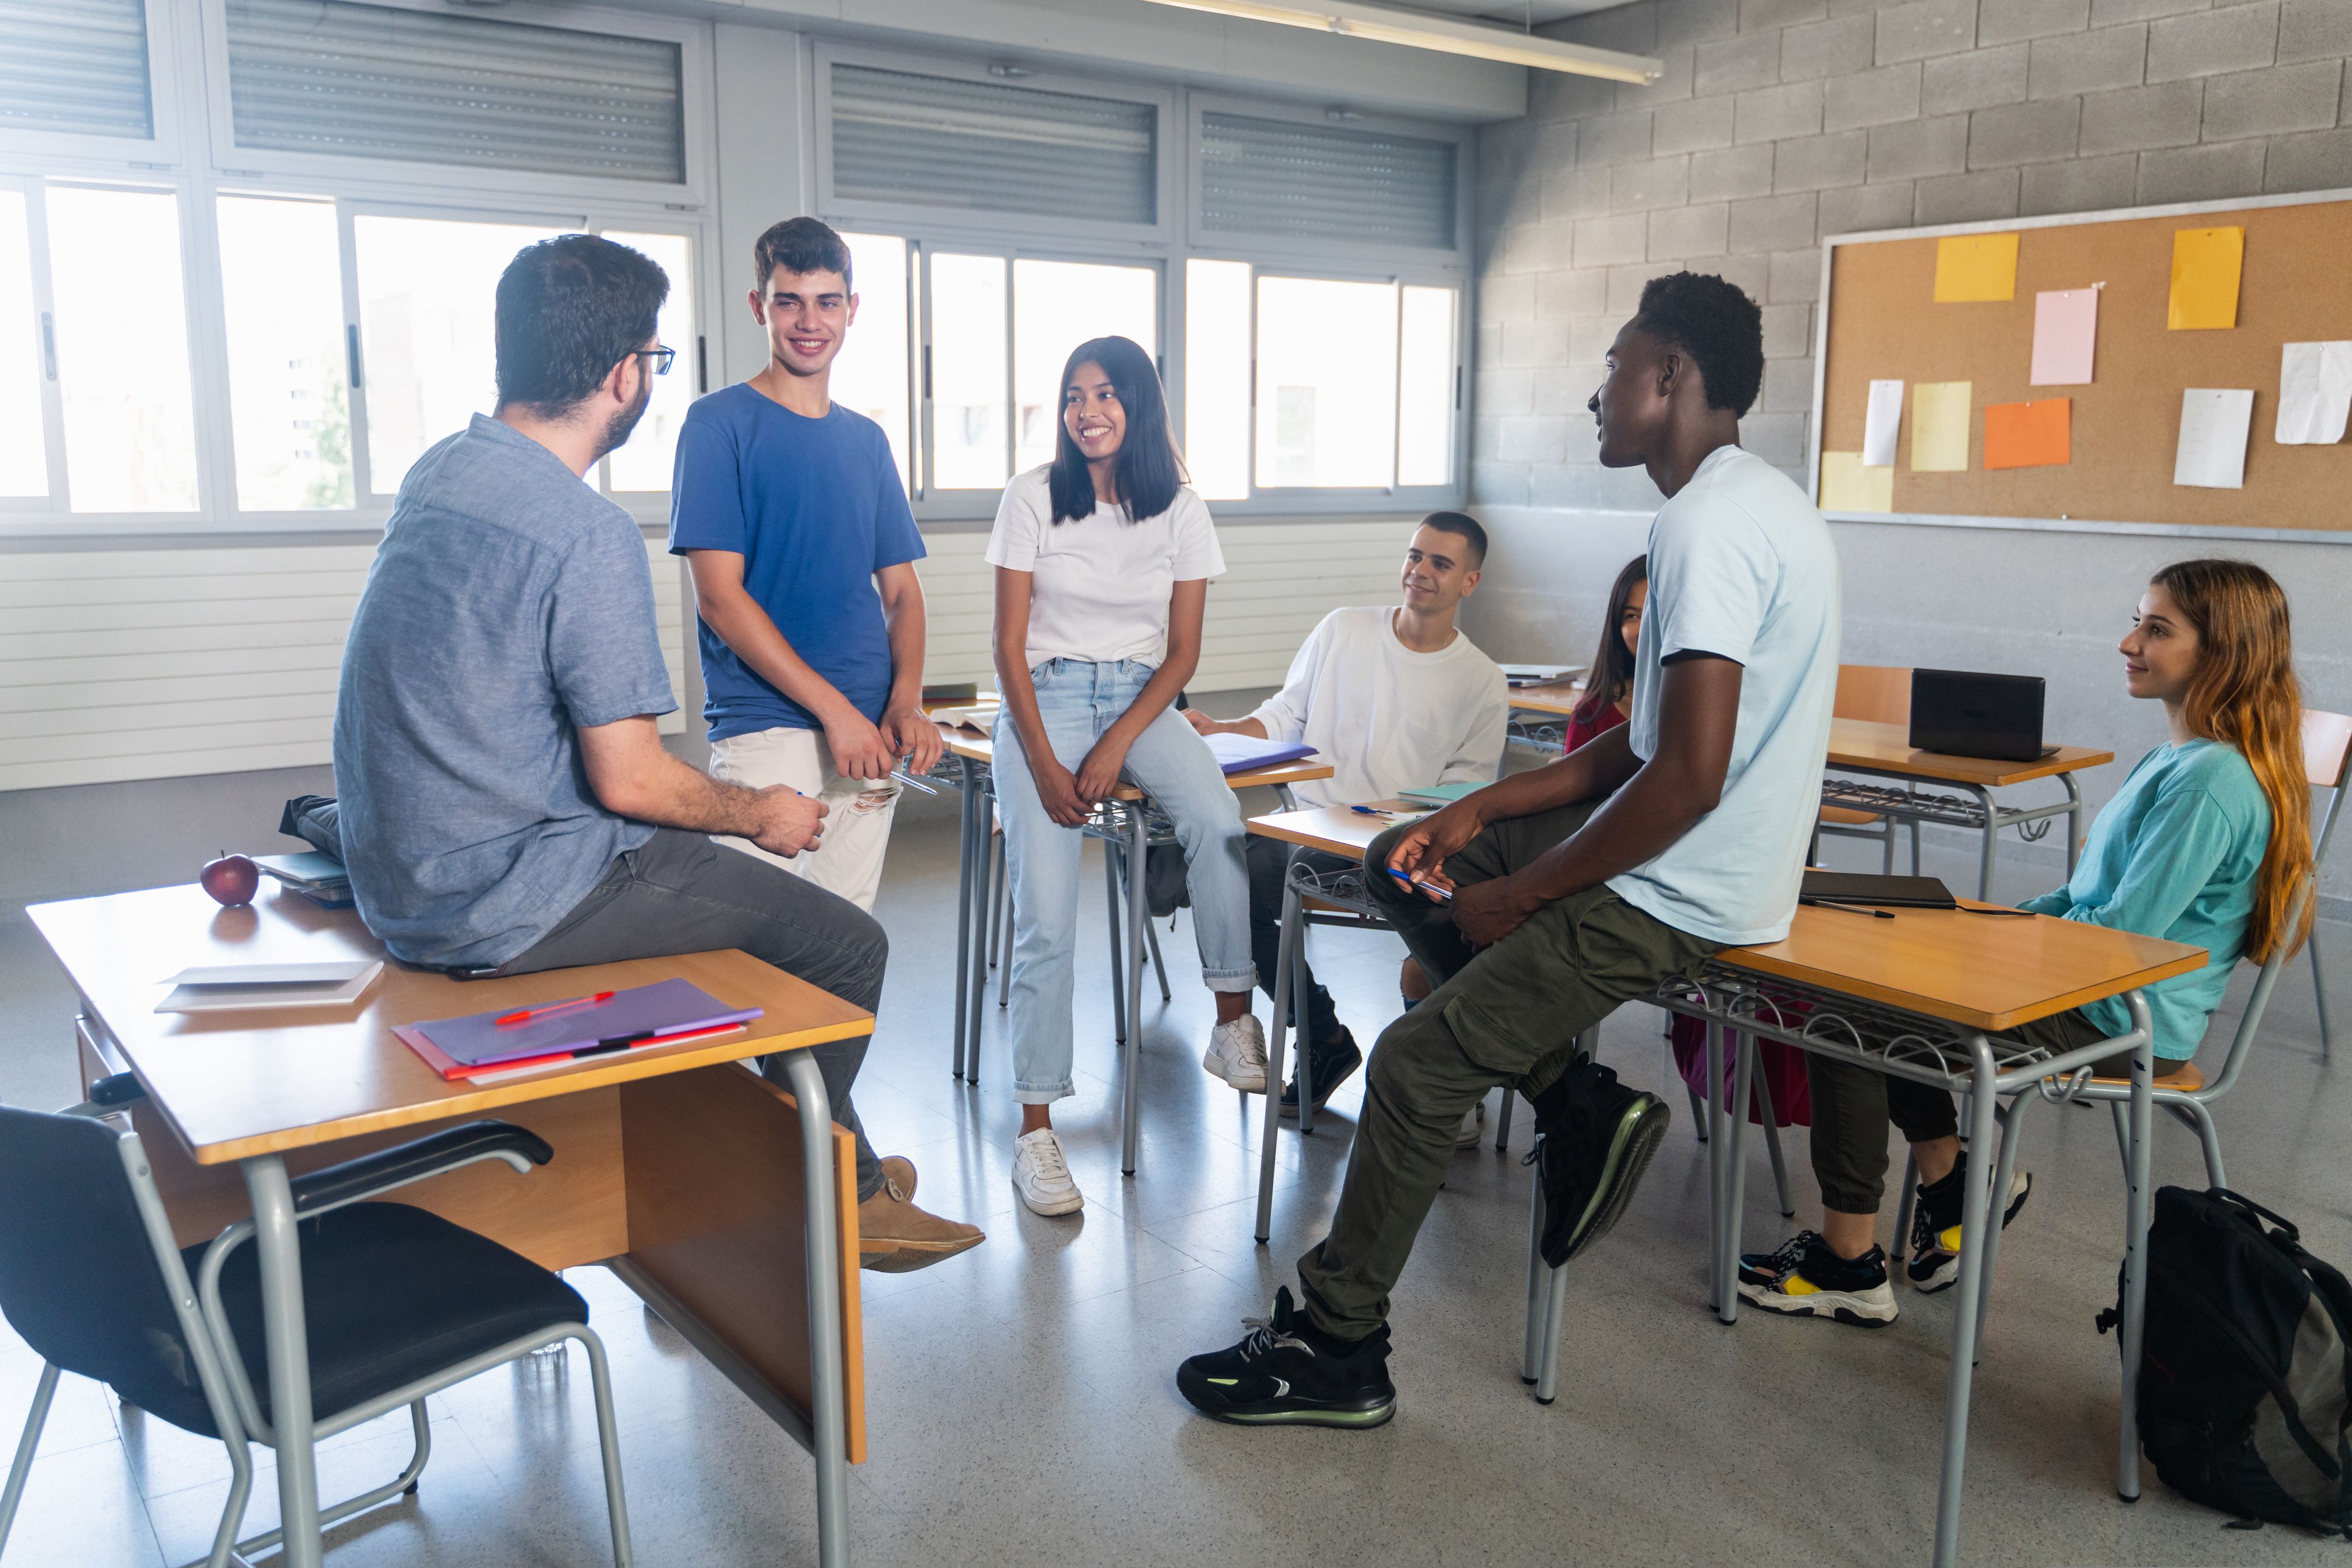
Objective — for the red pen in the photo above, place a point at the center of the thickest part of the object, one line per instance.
(530, 1015)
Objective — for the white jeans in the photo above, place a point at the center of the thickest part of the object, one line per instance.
(848, 859)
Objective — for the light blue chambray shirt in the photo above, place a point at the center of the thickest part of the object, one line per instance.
(510, 605)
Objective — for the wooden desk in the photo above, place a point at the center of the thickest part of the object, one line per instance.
(728, 1205)
(1884, 751)
(1555, 697)
(1124, 828)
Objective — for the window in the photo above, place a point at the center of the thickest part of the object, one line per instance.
(1428, 384)
(74, 66)
(428, 361)
(24, 465)
(1301, 180)
(870, 373)
(289, 403)
(1217, 378)
(644, 462)
(121, 332)
(967, 372)
(1056, 306)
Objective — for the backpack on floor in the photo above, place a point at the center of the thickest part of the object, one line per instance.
(2245, 1392)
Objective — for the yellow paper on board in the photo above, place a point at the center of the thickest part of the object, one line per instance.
(2205, 266)
(1939, 426)
(1848, 485)
(1974, 267)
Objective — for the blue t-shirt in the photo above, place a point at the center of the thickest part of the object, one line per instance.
(509, 605)
(816, 509)
(2178, 854)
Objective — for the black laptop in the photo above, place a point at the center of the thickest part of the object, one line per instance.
(1964, 714)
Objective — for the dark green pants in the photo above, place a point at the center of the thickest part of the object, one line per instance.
(1505, 1015)
(1853, 1105)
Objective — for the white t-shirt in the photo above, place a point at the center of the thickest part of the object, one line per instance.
(1102, 583)
(1741, 566)
(1385, 717)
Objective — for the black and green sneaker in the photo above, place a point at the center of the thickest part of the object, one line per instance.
(1594, 1138)
(1286, 1372)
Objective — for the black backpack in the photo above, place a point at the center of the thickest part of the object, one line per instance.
(2245, 1390)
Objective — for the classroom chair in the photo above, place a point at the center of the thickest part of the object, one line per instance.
(400, 1303)
(1872, 694)
(2327, 762)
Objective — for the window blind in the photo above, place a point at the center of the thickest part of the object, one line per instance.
(940, 141)
(369, 81)
(1325, 182)
(76, 66)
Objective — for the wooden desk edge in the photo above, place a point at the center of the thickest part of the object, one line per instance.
(1990, 1023)
(518, 1092)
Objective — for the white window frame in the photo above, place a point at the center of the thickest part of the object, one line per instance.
(190, 116)
(900, 217)
(338, 171)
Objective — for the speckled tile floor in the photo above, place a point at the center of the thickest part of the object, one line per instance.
(1022, 1396)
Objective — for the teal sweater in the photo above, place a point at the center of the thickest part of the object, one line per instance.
(2174, 855)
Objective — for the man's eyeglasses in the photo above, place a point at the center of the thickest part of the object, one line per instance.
(663, 358)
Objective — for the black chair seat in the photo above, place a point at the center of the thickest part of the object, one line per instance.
(391, 1294)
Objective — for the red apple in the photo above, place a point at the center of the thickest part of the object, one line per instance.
(231, 879)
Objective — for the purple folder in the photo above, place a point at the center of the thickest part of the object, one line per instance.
(1247, 754)
(640, 1013)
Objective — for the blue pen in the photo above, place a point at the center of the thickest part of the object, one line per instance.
(1444, 895)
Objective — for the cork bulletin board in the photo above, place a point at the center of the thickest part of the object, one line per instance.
(1881, 320)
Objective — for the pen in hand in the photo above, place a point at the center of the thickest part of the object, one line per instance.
(1444, 895)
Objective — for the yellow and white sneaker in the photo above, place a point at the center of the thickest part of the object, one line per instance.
(1935, 1263)
(1805, 1279)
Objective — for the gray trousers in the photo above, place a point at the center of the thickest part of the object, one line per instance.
(678, 892)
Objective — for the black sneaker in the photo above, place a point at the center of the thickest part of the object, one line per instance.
(1594, 1138)
(1806, 1279)
(1333, 1061)
(1287, 1372)
(1935, 1263)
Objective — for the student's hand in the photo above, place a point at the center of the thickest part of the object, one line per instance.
(859, 747)
(1058, 791)
(909, 733)
(789, 821)
(1422, 849)
(1203, 724)
(1485, 912)
(1098, 775)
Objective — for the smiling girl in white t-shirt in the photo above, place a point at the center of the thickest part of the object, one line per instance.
(1102, 560)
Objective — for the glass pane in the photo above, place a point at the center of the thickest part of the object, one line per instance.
(122, 350)
(1217, 377)
(968, 373)
(24, 465)
(1056, 306)
(869, 374)
(427, 304)
(1327, 380)
(645, 461)
(282, 283)
(1425, 388)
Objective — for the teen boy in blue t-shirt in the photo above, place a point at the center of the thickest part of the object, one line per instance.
(789, 511)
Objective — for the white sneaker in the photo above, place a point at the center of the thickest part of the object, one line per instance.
(1236, 1053)
(1473, 1128)
(1042, 1176)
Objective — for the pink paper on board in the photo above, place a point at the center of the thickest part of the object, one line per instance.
(2065, 326)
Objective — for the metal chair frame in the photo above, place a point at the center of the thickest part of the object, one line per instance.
(228, 1390)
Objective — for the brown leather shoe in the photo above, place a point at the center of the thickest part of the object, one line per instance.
(894, 1236)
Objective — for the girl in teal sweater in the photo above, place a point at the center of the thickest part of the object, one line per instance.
(2204, 843)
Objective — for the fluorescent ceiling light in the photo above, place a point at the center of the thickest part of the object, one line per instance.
(1418, 30)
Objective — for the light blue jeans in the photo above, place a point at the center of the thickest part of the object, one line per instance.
(1077, 702)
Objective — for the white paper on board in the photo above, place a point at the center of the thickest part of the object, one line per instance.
(1880, 424)
(2315, 393)
(2215, 421)
(2065, 331)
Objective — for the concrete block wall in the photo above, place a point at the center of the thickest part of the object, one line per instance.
(1781, 121)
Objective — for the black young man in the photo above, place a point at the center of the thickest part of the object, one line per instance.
(1581, 885)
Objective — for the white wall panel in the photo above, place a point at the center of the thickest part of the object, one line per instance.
(139, 664)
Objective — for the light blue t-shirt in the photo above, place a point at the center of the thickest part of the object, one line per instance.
(2175, 855)
(814, 508)
(1741, 566)
(510, 605)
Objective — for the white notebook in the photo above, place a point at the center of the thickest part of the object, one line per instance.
(229, 987)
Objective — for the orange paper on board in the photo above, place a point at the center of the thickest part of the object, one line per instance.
(2036, 434)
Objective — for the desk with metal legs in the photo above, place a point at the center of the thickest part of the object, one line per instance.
(728, 1205)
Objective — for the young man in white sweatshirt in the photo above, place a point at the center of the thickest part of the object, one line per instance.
(1393, 697)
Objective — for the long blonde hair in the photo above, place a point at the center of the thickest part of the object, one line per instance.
(2244, 693)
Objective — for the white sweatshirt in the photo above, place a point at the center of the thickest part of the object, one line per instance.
(1385, 717)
